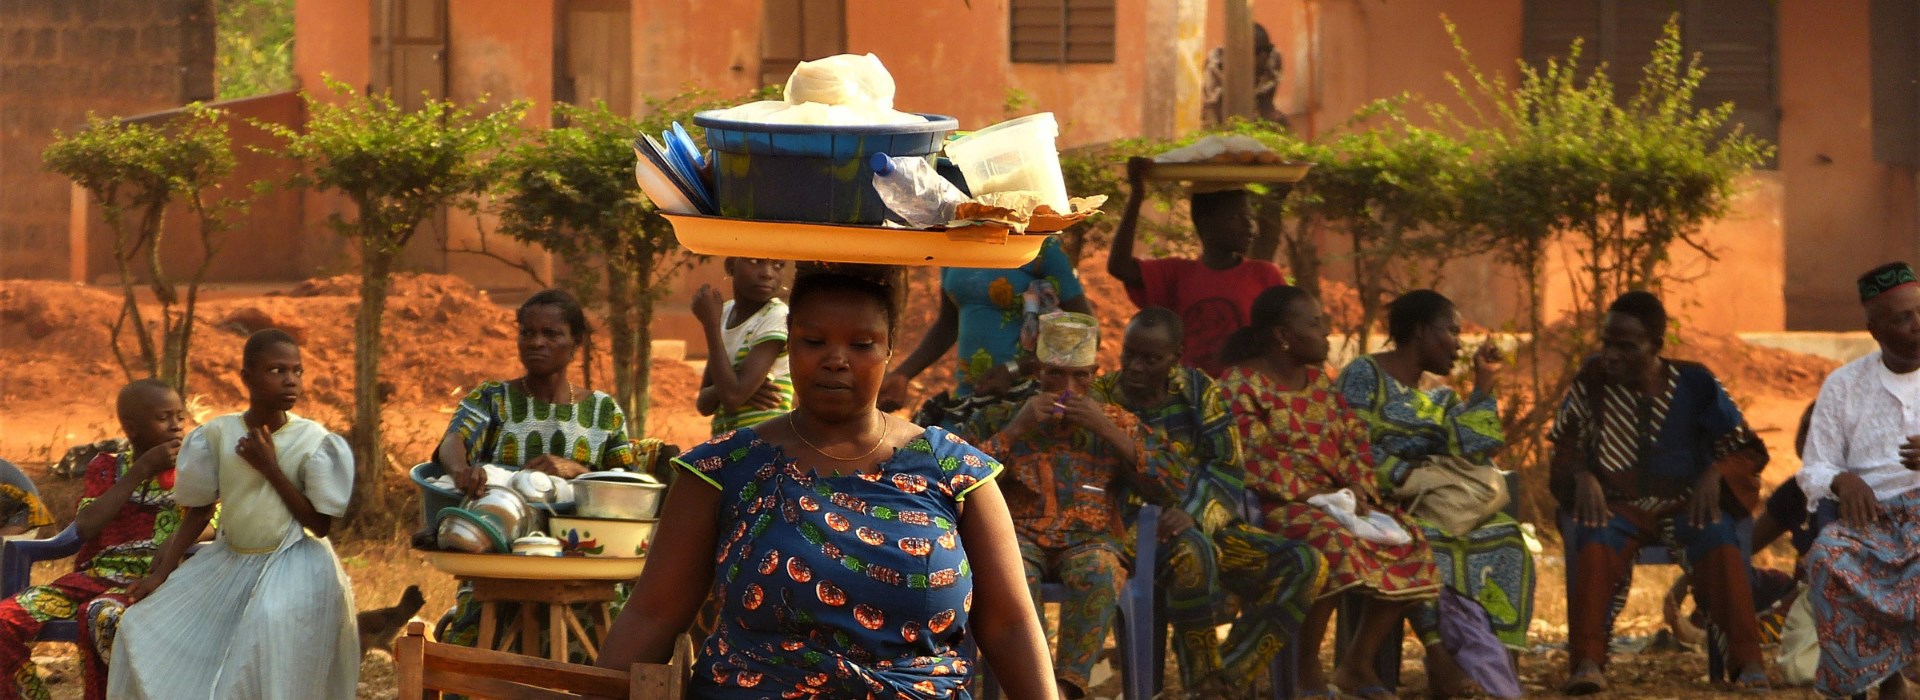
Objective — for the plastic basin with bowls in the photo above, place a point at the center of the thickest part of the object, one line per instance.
(797, 172)
(433, 499)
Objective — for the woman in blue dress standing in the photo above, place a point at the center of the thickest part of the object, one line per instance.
(853, 551)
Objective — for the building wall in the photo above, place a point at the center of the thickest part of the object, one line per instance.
(1360, 50)
(1844, 212)
(266, 242)
(59, 60)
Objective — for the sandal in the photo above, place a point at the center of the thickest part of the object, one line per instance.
(1752, 682)
(1584, 684)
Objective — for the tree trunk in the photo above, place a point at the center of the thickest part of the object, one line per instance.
(376, 265)
(1303, 257)
(643, 362)
(123, 259)
(620, 326)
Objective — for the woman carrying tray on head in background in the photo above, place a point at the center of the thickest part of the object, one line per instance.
(847, 545)
(982, 313)
(1414, 430)
(540, 421)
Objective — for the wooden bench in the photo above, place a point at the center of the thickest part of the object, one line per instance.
(428, 669)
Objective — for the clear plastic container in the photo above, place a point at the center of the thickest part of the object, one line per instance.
(1013, 156)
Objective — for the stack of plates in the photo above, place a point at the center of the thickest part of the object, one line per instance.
(671, 176)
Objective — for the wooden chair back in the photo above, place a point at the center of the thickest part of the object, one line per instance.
(428, 669)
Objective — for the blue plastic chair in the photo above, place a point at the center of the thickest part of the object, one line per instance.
(1717, 666)
(1134, 626)
(16, 574)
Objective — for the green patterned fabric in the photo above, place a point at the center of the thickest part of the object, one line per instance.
(500, 424)
(1491, 564)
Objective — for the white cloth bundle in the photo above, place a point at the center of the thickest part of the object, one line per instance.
(1376, 527)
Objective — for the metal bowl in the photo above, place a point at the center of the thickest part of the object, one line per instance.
(508, 510)
(617, 495)
(466, 531)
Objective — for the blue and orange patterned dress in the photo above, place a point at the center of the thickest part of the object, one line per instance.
(850, 586)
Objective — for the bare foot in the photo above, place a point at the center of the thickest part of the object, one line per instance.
(1586, 679)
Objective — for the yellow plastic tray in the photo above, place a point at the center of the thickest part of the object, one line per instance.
(537, 568)
(1230, 172)
(972, 246)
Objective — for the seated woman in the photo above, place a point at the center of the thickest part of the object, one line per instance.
(1303, 441)
(1651, 450)
(855, 555)
(538, 421)
(1413, 429)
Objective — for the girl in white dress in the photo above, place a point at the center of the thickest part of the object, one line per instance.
(265, 612)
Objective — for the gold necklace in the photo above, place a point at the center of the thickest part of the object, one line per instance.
(884, 431)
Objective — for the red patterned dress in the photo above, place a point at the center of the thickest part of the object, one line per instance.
(1297, 442)
(96, 590)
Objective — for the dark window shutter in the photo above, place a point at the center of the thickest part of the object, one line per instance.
(1090, 31)
(1062, 31)
(1895, 47)
(1735, 40)
(1550, 26)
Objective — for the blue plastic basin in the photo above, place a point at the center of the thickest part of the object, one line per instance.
(791, 172)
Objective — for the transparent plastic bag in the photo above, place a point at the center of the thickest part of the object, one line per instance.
(916, 194)
(846, 80)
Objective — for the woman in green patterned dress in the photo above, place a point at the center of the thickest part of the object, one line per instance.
(540, 421)
(1411, 428)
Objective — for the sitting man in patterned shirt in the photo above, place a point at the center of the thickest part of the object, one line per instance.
(1066, 457)
(1210, 549)
(126, 511)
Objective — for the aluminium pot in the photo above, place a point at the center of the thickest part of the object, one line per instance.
(617, 495)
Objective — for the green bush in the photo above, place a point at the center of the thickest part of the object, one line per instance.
(138, 169)
(398, 167)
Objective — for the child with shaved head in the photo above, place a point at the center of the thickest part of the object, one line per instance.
(126, 510)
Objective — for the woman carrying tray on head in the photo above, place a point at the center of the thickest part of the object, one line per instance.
(540, 421)
(854, 554)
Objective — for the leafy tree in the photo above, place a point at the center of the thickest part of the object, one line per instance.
(1564, 159)
(397, 167)
(134, 171)
(571, 190)
(253, 47)
(1393, 191)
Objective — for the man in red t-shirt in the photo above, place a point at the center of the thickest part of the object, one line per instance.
(1214, 294)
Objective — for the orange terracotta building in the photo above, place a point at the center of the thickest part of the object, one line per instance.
(1833, 80)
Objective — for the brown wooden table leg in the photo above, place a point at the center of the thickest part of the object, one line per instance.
(489, 624)
(529, 629)
(557, 632)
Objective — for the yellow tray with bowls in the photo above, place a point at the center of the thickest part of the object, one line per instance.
(985, 246)
(520, 566)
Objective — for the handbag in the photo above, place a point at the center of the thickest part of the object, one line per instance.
(1454, 494)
